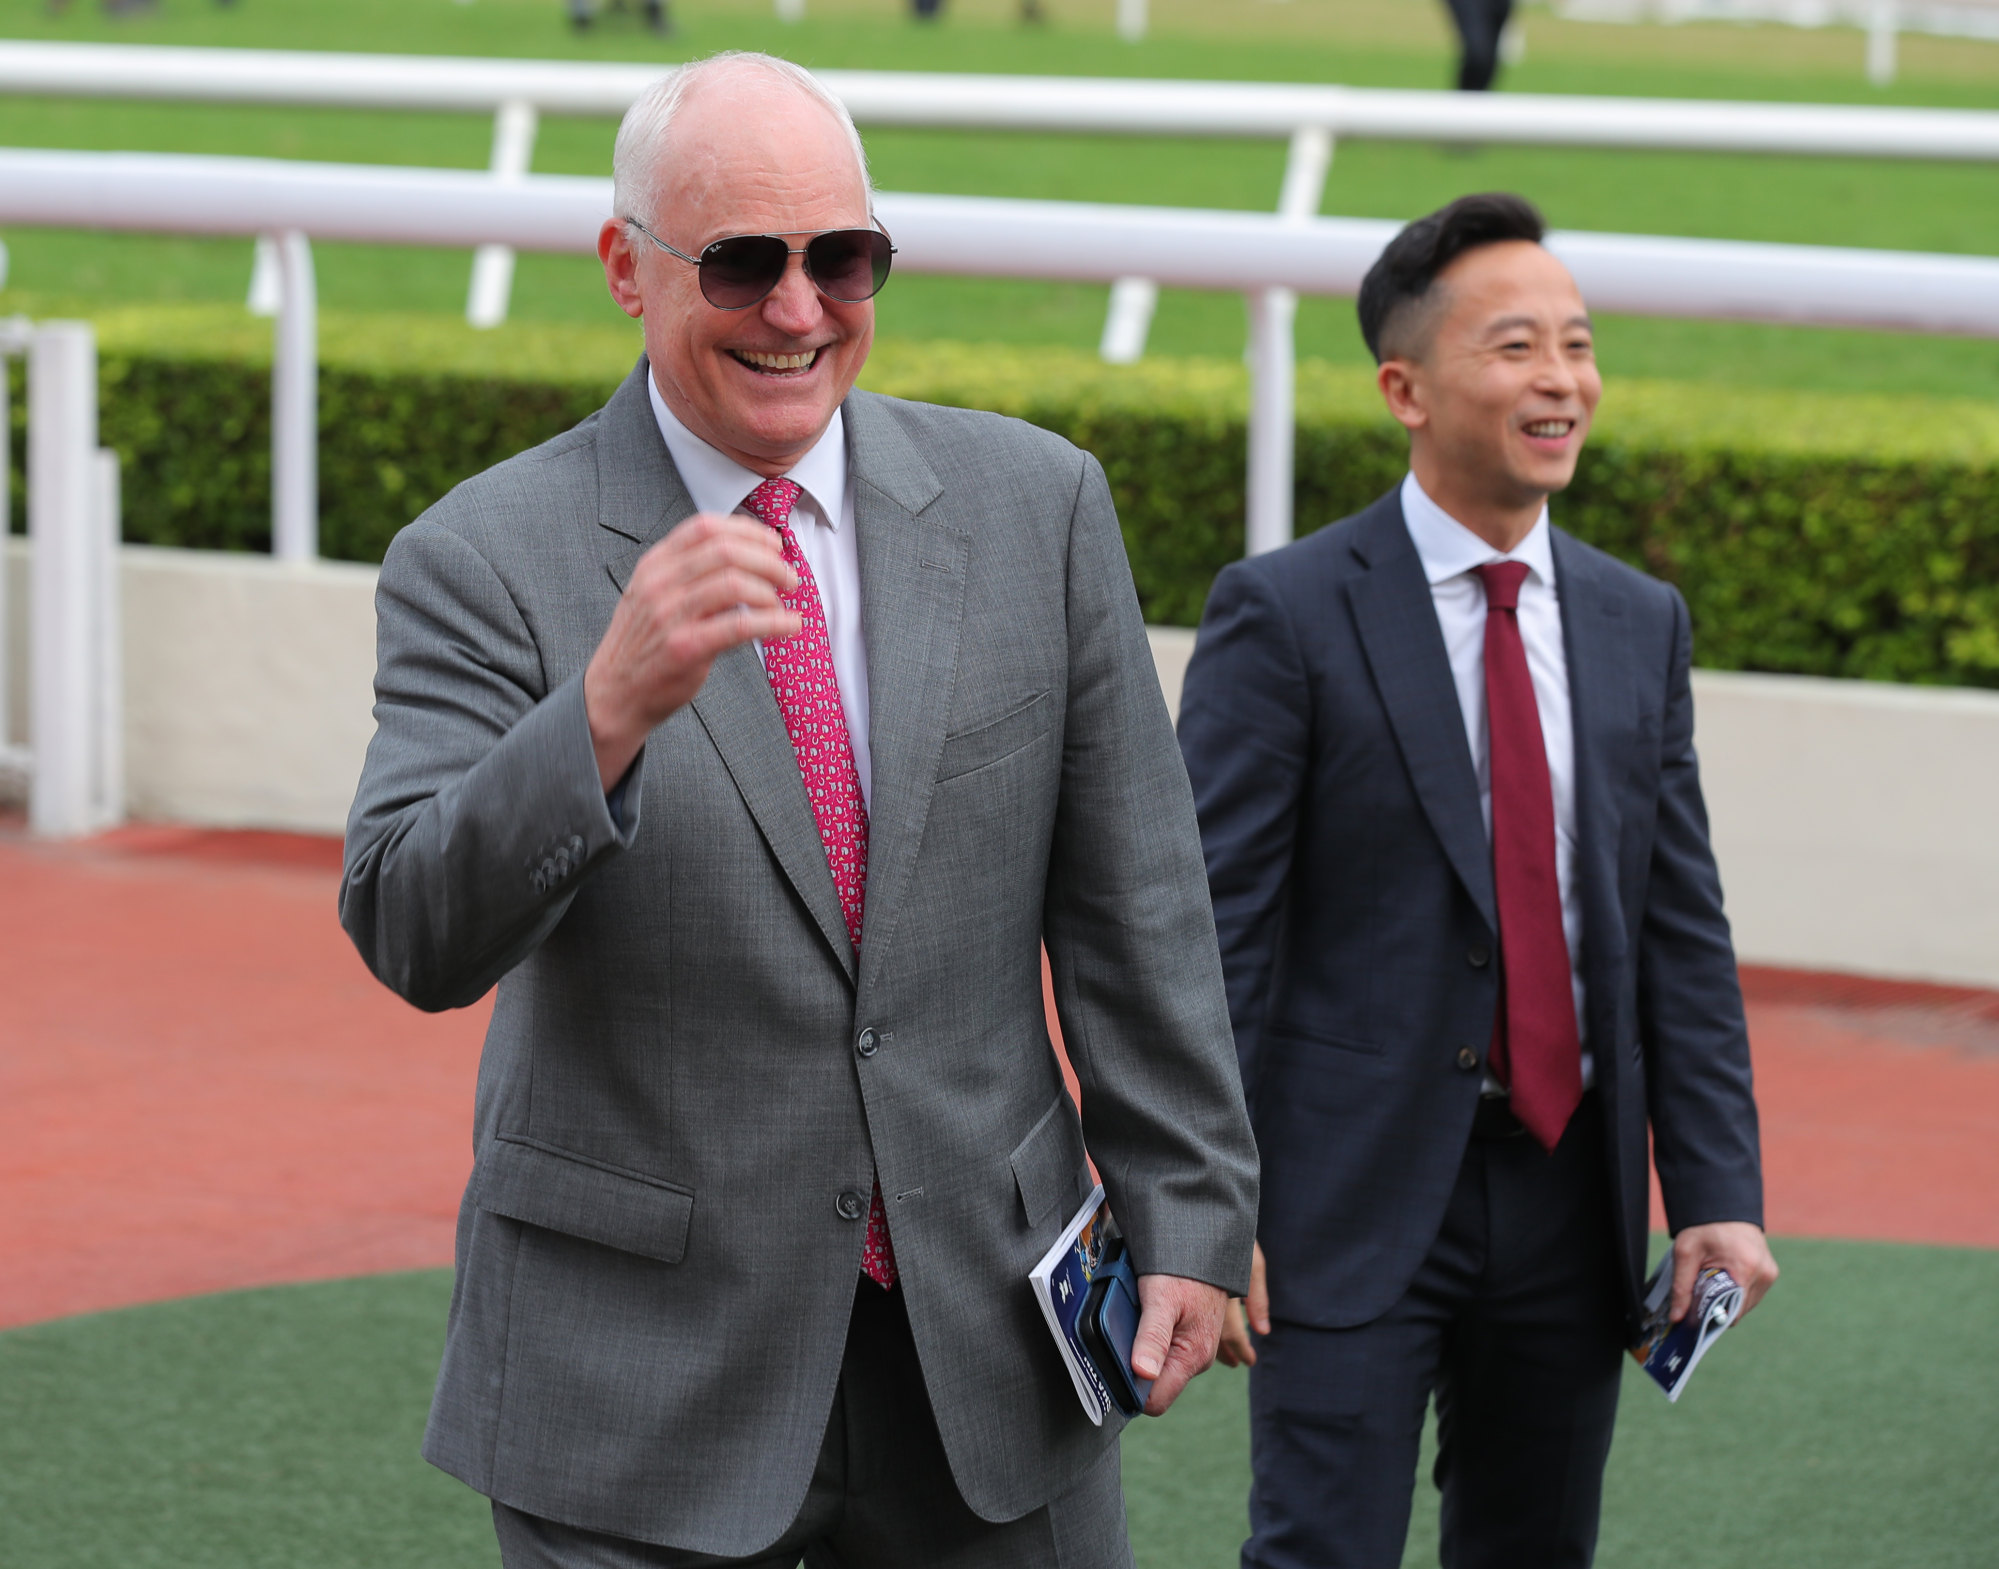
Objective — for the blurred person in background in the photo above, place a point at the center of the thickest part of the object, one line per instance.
(1480, 25)
(753, 737)
(1443, 758)
(583, 14)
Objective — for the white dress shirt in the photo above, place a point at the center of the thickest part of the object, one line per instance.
(822, 522)
(1450, 554)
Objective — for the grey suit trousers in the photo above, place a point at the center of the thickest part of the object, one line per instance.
(881, 1495)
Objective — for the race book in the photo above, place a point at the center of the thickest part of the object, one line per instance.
(1061, 1282)
(1670, 1352)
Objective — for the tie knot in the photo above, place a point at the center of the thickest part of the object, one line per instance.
(1502, 584)
(772, 501)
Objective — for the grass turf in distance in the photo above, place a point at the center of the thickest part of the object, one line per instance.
(1843, 1425)
(1917, 206)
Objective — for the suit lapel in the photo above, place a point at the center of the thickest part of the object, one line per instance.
(912, 605)
(640, 497)
(639, 492)
(1603, 714)
(1405, 650)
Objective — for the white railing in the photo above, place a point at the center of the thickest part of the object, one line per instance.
(1881, 20)
(517, 92)
(1270, 255)
(74, 760)
(945, 100)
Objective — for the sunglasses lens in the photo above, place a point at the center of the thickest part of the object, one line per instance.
(740, 271)
(849, 264)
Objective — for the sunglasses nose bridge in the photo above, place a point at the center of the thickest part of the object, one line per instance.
(795, 294)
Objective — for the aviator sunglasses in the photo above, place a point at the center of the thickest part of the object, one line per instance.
(847, 265)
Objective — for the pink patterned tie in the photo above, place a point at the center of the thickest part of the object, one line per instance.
(808, 695)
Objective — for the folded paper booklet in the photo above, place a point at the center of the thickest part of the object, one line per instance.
(1061, 1282)
(1670, 1352)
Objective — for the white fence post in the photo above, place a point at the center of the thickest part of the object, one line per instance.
(514, 128)
(791, 10)
(1882, 23)
(1272, 387)
(14, 340)
(267, 289)
(1273, 314)
(1131, 20)
(75, 685)
(1128, 322)
(108, 695)
(295, 406)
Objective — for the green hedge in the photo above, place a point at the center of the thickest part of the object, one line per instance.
(1826, 535)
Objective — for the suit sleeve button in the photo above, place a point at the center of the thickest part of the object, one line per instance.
(851, 1205)
(867, 1043)
(1467, 1058)
(1478, 956)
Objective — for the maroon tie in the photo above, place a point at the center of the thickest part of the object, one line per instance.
(808, 695)
(1536, 1052)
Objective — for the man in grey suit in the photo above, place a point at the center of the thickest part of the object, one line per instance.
(759, 823)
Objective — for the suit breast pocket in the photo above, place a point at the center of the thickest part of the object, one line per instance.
(989, 743)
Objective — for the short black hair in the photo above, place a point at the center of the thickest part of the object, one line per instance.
(1404, 272)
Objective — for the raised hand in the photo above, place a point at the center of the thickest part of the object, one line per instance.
(712, 583)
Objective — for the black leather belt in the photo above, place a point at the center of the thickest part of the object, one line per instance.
(1494, 1119)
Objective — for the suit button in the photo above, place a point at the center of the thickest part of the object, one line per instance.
(1467, 1058)
(576, 846)
(867, 1043)
(851, 1205)
(537, 882)
(1478, 956)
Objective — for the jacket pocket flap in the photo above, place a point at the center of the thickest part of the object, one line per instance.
(1049, 1163)
(1001, 738)
(583, 1198)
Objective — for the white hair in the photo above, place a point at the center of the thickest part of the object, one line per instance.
(642, 134)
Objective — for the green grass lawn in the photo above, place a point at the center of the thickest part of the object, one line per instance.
(1849, 1423)
(1394, 42)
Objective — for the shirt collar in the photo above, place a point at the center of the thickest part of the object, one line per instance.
(718, 483)
(1448, 549)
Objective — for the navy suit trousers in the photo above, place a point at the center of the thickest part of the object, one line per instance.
(1513, 1323)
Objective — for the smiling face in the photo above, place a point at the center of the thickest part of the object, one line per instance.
(1496, 381)
(747, 153)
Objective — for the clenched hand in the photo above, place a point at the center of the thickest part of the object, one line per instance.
(1247, 1315)
(1179, 1322)
(1733, 1245)
(712, 583)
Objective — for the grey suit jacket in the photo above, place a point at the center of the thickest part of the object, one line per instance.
(655, 1255)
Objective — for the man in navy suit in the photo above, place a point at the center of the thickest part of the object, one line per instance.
(1473, 937)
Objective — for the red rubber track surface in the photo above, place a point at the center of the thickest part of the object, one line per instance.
(201, 1087)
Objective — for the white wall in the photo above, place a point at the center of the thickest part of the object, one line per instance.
(248, 686)
(1854, 822)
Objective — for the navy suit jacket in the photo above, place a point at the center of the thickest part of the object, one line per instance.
(1353, 893)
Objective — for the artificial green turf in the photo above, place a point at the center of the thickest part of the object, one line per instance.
(1915, 206)
(1849, 1422)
